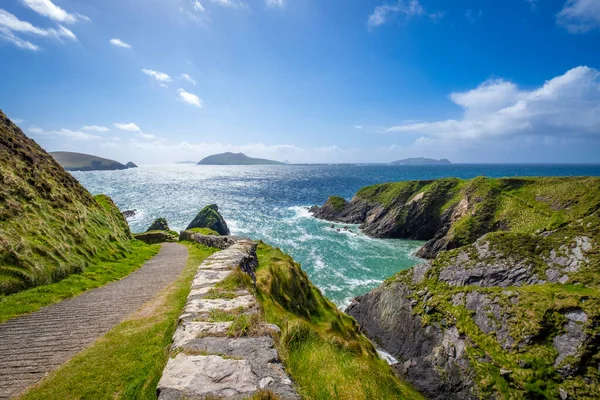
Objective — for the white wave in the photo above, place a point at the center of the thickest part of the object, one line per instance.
(387, 356)
(300, 212)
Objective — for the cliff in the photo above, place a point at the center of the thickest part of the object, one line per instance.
(508, 306)
(450, 213)
(50, 226)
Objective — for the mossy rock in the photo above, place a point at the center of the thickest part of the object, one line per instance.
(209, 217)
(160, 224)
(153, 237)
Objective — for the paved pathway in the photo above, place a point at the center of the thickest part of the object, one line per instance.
(35, 344)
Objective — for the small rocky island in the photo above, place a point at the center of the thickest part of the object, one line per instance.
(507, 301)
(236, 159)
(421, 161)
(86, 162)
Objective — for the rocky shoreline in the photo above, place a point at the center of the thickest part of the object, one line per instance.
(508, 301)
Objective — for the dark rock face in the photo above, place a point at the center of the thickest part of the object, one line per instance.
(209, 217)
(160, 224)
(129, 213)
(386, 316)
(131, 165)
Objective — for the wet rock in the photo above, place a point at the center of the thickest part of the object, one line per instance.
(129, 213)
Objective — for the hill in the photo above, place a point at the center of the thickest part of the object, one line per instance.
(50, 226)
(421, 161)
(236, 159)
(507, 303)
(85, 162)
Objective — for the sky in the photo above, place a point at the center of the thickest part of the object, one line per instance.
(307, 81)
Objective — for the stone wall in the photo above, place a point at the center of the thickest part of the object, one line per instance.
(207, 360)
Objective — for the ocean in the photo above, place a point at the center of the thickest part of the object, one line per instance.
(270, 203)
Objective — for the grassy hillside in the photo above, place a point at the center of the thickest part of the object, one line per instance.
(50, 226)
(321, 347)
(235, 159)
(86, 162)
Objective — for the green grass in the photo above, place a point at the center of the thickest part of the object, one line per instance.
(204, 231)
(337, 203)
(321, 347)
(97, 274)
(128, 361)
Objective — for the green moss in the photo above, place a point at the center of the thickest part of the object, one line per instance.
(321, 347)
(204, 231)
(336, 202)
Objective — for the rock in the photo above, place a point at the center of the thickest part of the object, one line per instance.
(129, 213)
(219, 242)
(209, 217)
(154, 237)
(438, 363)
(569, 343)
(131, 165)
(160, 224)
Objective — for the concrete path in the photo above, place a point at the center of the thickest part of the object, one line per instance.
(35, 344)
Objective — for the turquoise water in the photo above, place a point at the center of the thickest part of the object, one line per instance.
(269, 203)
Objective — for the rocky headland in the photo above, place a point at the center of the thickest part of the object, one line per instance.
(507, 304)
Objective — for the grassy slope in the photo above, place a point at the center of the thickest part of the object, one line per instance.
(235, 159)
(79, 161)
(50, 226)
(95, 275)
(128, 361)
(321, 347)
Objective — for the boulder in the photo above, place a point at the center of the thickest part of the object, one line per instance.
(159, 224)
(129, 213)
(209, 217)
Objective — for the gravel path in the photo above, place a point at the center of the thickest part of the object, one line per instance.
(35, 344)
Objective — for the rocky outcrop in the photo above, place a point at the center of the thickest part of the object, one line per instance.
(450, 213)
(521, 311)
(218, 242)
(131, 165)
(159, 224)
(129, 213)
(213, 355)
(209, 217)
(153, 237)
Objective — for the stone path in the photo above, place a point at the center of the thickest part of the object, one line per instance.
(206, 360)
(35, 344)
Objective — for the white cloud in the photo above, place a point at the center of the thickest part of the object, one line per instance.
(36, 130)
(52, 11)
(130, 127)
(274, 3)
(159, 76)
(119, 43)
(190, 98)
(358, 126)
(95, 128)
(230, 3)
(163, 85)
(7, 36)
(146, 135)
(188, 78)
(77, 135)
(9, 22)
(565, 106)
(473, 15)
(580, 16)
(197, 6)
(407, 8)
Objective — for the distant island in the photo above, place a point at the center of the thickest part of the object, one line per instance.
(87, 162)
(236, 159)
(420, 161)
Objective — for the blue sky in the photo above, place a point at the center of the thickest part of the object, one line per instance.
(158, 81)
